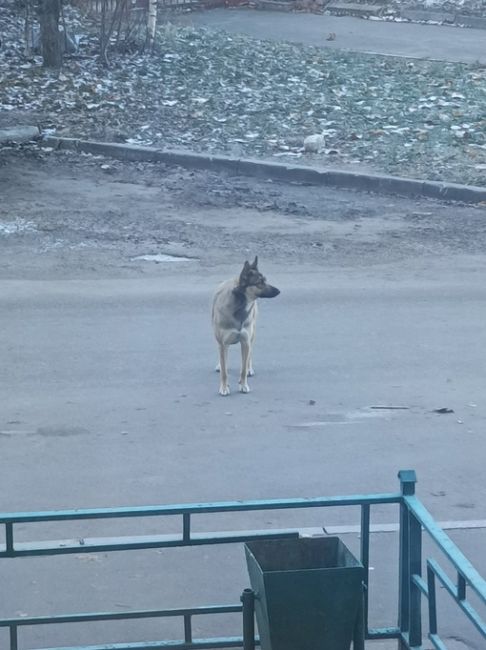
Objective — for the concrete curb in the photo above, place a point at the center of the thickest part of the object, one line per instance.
(443, 18)
(476, 22)
(377, 183)
(19, 134)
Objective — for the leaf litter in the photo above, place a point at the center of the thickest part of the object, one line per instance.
(212, 92)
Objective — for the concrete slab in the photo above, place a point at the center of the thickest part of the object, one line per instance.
(19, 134)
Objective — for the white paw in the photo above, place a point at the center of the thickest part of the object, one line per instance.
(244, 388)
(251, 372)
(218, 368)
(224, 390)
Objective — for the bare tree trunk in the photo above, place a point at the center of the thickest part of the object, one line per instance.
(64, 47)
(105, 33)
(103, 41)
(151, 23)
(28, 29)
(49, 11)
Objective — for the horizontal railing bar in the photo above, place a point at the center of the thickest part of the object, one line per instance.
(197, 508)
(451, 588)
(200, 644)
(105, 544)
(114, 616)
(437, 642)
(447, 546)
(443, 577)
(473, 616)
(421, 584)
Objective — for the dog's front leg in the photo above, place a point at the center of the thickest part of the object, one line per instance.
(251, 371)
(223, 378)
(245, 360)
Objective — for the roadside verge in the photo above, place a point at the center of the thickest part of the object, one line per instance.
(290, 173)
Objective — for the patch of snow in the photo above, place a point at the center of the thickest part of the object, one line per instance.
(16, 227)
(162, 257)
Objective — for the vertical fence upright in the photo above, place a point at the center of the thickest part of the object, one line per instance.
(248, 601)
(408, 479)
(415, 573)
(365, 559)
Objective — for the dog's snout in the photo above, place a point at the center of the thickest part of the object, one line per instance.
(272, 292)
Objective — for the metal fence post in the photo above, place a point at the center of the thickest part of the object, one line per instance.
(248, 600)
(359, 633)
(415, 537)
(365, 560)
(14, 641)
(408, 479)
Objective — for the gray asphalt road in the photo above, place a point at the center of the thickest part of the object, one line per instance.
(110, 399)
(398, 39)
(96, 374)
(109, 396)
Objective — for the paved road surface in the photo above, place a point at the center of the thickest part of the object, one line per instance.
(109, 396)
(399, 39)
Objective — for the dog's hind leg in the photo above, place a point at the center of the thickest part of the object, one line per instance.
(223, 380)
(245, 360)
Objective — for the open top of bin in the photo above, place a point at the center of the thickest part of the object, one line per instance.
(301, 554)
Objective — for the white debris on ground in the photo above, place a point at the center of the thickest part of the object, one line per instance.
(213, 92)
(433, 12)
(466, 6)
(314, 143)
(162, 257)
(16, 226)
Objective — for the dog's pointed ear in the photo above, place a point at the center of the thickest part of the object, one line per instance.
(255, 262)
(244, 272)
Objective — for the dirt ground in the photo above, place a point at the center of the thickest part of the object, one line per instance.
(63, 216)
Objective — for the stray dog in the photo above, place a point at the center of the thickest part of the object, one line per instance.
(234, 320)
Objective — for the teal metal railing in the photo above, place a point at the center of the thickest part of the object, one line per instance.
(414, 520)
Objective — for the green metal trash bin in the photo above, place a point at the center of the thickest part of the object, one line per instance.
(308, 594)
